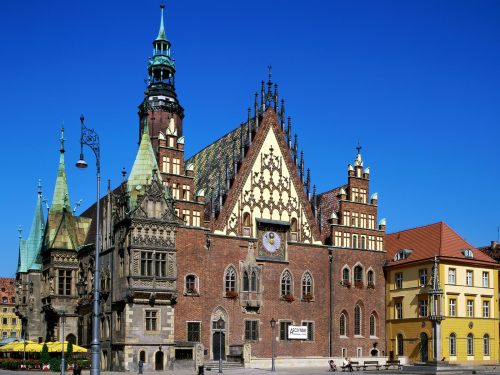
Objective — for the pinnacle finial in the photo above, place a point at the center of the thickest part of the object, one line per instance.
(270, 70)
(161, 32)
(20, 231)
(39, 186)
(62, 140)
(358, 148)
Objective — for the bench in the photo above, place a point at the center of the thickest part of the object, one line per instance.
(371, 364)
(396, 363)
(353, 364)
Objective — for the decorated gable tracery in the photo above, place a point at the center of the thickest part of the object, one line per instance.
(269, 193)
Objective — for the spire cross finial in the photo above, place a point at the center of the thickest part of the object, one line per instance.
(359, 148)
(270, 69)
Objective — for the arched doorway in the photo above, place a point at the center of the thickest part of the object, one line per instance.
(219, 332)
(424, 347)
(159, 361)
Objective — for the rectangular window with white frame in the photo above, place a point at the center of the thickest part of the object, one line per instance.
(486, 309)
(469, 278)
(196, 219)
(470, 308)
(452, 307)
(452, 276)
(486, 279)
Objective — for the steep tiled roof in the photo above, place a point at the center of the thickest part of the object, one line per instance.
(210, 163)
(430, 240)
(142, 170)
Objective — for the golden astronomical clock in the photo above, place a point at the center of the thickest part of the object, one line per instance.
(272, 237)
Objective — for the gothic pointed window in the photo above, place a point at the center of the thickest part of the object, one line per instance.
(230, 280)
(346, 277)
(286, 284)
(373, 325)
(357, 320)
(370, 278)
(358, 276)
(307, 292)
(343, 325)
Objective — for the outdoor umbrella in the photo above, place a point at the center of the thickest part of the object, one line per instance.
(57, 347)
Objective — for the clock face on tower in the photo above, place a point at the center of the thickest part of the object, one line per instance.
(272, 240)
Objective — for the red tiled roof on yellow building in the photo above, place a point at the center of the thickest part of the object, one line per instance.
(416, 244)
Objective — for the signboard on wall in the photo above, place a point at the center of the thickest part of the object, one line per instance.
(297, 332)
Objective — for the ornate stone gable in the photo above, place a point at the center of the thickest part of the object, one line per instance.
(269, 191)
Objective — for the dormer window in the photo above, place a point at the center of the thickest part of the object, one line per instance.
(468, 253)
(402, 254)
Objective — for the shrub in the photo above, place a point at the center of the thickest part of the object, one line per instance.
(44, 354)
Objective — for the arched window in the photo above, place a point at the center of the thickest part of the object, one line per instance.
(343, 325)
(358, 274)
(373, 325)
(246, 281)
(453, 344)
(354, 241)
(253, 282)
(346, 277)
(286, 284)
(142, 356)
(293, 229)
(363, 242)
(307, 285)
(357, 320)
(470, 344)
(230, 280)
(370, 278)
(486, 344)
(191, 284)
(247, 224)
(400, 344)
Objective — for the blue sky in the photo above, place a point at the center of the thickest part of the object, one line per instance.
(415, 82)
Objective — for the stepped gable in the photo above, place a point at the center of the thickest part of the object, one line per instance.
(329, 203)
(431, 240)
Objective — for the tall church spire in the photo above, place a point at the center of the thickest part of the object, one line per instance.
(29, 249)
(60, 199)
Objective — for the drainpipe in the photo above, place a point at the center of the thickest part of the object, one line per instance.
(330, 320)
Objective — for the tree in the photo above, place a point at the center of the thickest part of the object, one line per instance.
(44, 354)
(69, 351)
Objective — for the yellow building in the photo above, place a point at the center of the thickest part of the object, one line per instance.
(10, 325)
(441, 298)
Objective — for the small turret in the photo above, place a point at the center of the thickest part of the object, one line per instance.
(342, 194)
(374, 199)
(382, 224)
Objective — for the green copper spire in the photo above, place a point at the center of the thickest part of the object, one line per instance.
(144, 166)
(161, 33)
(60, 199)
(29, 249)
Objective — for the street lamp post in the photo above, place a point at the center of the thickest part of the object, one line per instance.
(63, 321)
(90, 138)
(273, 339)
(220, 325)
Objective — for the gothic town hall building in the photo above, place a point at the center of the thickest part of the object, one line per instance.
(234, 234)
